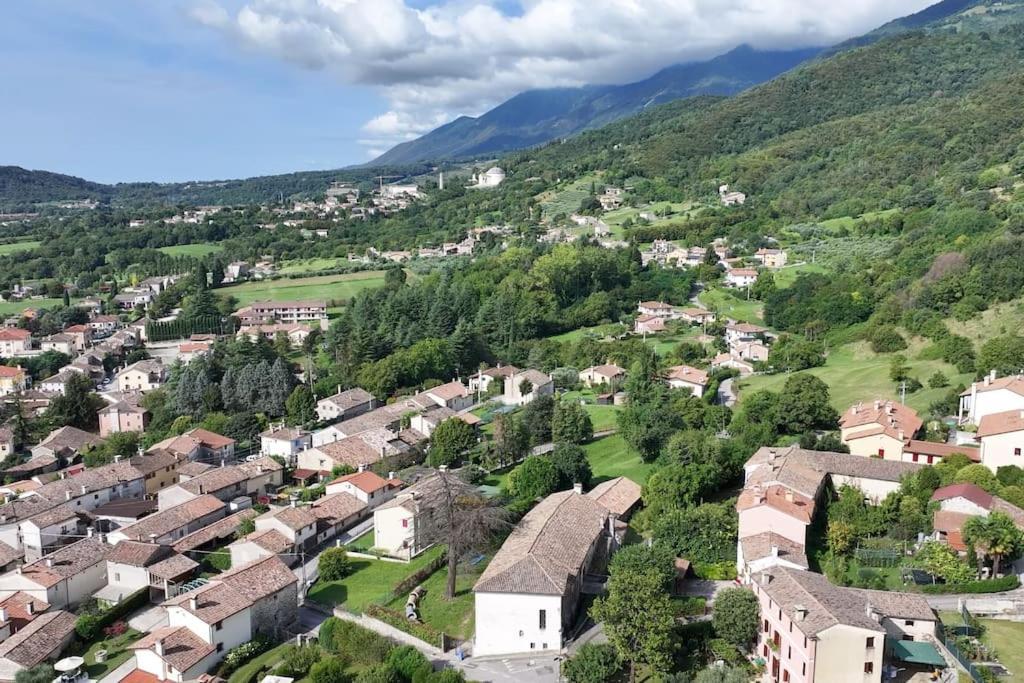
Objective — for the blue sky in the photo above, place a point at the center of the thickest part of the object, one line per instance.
(172, 90)
(119, 90)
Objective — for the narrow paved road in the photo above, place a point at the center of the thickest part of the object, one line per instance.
(727, 393)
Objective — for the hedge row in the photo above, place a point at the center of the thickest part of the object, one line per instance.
(1006, 583)
(424, 632)
(408, 583)
(89, 626)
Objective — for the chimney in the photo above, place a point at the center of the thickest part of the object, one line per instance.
(578, 487)
(158, 647)
(766, 578)
(200, 489)
(900, 433)
(799, 612)
(30, 606)
(49, 561)
(362, 467)
(878, 404)
(3, 614)
(117, 457)
(391, 474)
(89, 532)
(442, 468)
(84, 490)
(789, 496)
(193, 603)
(67, 495)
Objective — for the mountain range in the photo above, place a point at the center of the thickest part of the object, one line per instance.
(537, 116)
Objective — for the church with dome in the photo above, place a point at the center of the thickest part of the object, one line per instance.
(492, 178)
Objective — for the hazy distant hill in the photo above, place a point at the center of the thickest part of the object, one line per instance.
(537, 116)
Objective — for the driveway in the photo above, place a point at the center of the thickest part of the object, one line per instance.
(149, 619)
(727, 393)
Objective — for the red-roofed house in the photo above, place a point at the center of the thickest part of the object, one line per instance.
(878, 430)
(366, 486)
(14, 341)
(958, 503)
(1002, 439)
(12, 380)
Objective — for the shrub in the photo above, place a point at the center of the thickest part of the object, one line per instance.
(116, 629)
(886, 339)
(298, 660)
(409, 662)
(88, 626)
(735, 616)
(40, 673)
(381, 673)
(238, 656)
(446, 676)
(717, 571)
(593, 663)
(329, 670)
(361, 644)
(424, 632)
(938, 380)
(334, 564)
(1006, 583)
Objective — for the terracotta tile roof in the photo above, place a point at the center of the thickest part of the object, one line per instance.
(607, 370)
(548, 547)
(685, 373)
(185, 445)
(501, 371)
(138, 553)
(10, 372)
(657, 305)
(366, 481)
(449, 391)
(222, 528)
(617, 495)
(804, 471)
(895, 419)
(350, 398)
(1005, 422)
(284, 433)
(14, 334)
(941, 450)
(828, 605)
(173, 566)
(182, 648)
(154, 460)
(1010, 510)
(66, 562)
(209, 439)
(40, 639)
(1014, 383)
(260, 466)
(746, 328)
(951, 523)
(271, 540)
(9, 554)
(971, 492)
(17, 606)
(537, 377)
(295, 518)
(780, 498)
(194, 468)
(164, 522)
(426, 493)
(69, 439)
(236, 589)
(337, 507)
(762, 545)
(217, 479)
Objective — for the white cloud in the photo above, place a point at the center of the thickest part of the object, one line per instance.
(465, 56)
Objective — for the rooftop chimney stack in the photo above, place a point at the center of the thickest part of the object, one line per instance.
(158, 648)
(799, 612)
(775, 551)
(193, 603)
(578, 487)
(30, 607)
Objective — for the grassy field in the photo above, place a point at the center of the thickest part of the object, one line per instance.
(117, 654)
(567, 200)
(310, 265)
(603, 417)
(610, 457)
(268, 658)
(729, 306)
(855, 373)
(1005, 318)
(455, 616)
(784, 277)
(197, 250)
(8, 308)
(362, 544)
(330, 287)
(370, 582)
(1005, 637)
(15, 247)
(847, 222)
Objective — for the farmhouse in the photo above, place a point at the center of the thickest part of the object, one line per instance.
(599, 375)
(688, 378)
(991, 395)
(345, 405)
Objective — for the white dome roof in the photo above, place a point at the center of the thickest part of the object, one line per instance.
(494, 170)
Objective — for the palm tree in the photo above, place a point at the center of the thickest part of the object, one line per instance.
(995, 536)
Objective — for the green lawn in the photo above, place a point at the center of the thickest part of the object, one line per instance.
(117, 654)
(455, 616)
(15, 247)
(197, 250)
(8, 308)
(848, 222)
(730, 307)
(370, 582)
(267, 659)
(784, 277)
(568, 198)
(610, 457)
(1005, 637)
(597, 331)
(362, 544)
(310, 265)
(603, 417)
(855, 373)
(330, 287)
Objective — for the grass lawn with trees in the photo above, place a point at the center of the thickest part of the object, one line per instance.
(15, 307)
(117, 654)
(597, 331)
(455, 616)
(1001, 319)
(729, 306)
(370, 582)
(197, 250)
(854, 373)
(330, 287)
(15, 247)
(784, 277)
(610, 457)
(1005, 637)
